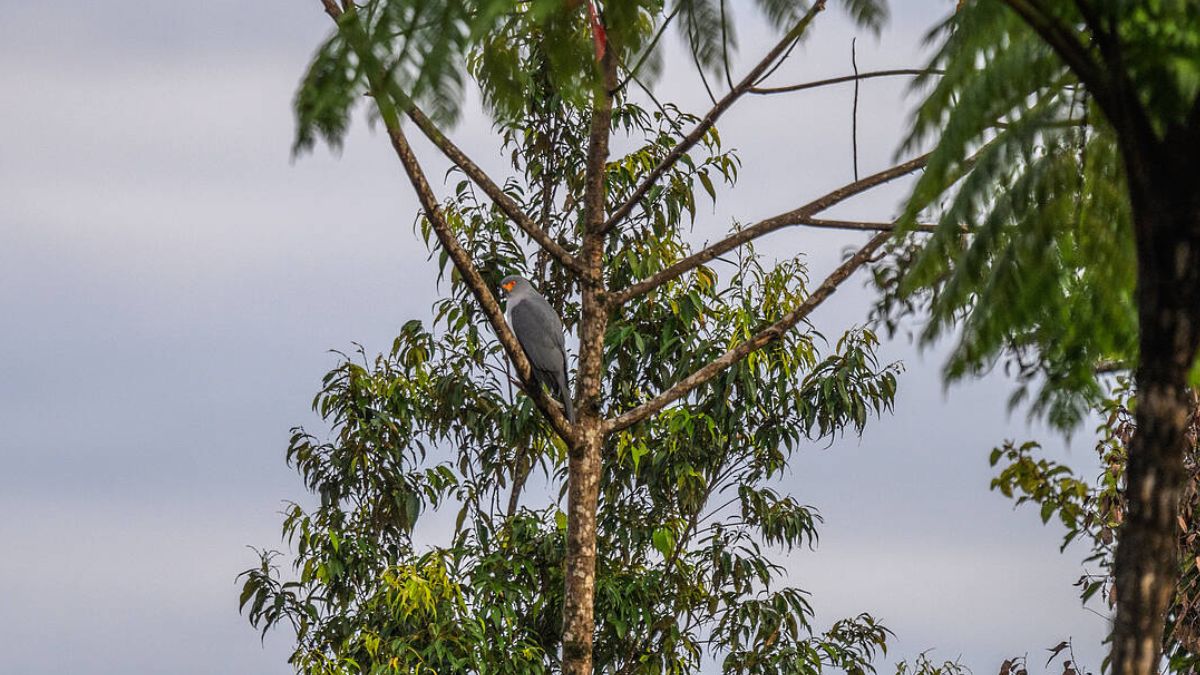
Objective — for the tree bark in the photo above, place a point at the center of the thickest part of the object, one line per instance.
(1166, 212)
(583, 482)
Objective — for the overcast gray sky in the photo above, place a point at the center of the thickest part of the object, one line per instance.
(170, 283)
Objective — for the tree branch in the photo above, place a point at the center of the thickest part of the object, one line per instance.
(494, 191)
(863, 226)
(760, 340)
(457, 254)
(473, 279)
(854, 110)
(711, 118)
(801, 216)
(1106, 40)
(1107, 81)
(332, 9)
(839, 80)
(1067, 46)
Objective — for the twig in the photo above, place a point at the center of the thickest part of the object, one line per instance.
(725, 47)
(854, 110)
(696, 59)
(839, 80)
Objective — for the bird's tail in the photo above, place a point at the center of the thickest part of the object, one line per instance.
(564, 393)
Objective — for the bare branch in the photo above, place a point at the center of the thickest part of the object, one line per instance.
(709, 119)
(840, 80)
(864, 226)
(332, 9)
(691, 35)
(854, 110)
(801, 216)
(760, 340)
(494, 191)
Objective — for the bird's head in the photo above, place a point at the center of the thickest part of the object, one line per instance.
(510, 282)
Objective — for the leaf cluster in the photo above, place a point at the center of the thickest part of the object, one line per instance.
(1032, 260)
(427, 50)
(1093, 511)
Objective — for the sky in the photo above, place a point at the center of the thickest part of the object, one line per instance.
(171, 283)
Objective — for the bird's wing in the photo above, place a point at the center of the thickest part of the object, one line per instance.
(547, 314)
(540, 333)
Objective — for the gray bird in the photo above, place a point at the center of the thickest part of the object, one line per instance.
(540, 332)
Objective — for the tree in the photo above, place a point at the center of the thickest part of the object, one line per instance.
(1093, 511)
(691, 387)
(1068, 146)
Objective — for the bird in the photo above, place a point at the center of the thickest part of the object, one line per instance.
(540, 332)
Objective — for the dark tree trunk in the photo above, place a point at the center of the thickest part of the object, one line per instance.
(1166, 207)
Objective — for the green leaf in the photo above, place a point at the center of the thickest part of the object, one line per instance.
(664, 541)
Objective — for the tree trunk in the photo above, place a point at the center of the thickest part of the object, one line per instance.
(578, 601)
(584, 466)
(583, 483)
(1167, 223)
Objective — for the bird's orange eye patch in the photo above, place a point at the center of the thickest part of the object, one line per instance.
(509, 286)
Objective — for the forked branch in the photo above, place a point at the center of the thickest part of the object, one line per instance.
(760, 340)
(801, 216)
(710, 118)
(505, 203)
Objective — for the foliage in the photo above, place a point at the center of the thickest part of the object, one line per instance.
(1033, 254)
(689, 519)
(1093, 512)
(428, 48)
